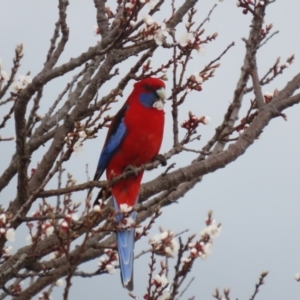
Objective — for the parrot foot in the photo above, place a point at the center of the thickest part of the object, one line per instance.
(132, 169)
(161, 158)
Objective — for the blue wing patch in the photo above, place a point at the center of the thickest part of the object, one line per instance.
(110, 149)
(115, 136)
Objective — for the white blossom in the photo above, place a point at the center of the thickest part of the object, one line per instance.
(110, 268)
(82, 134)
(142, 1)
(129, 5)
(164, 235)
(206, 120)
(213, 230)
(103, 260)
(22, 82)
(161, 282)
(165, 295)
(161, 279)
(297, 276)
(139, 230)
(148, 20)
(201, 50)
(127, 222)
(64, 225)
(49, 230)
(59, 282)
(78, 148)
(10, 234)
(161, 34)
(97, 208)
(3, 218)
(198, 78)
(185, 260)
(125, 208)
(207, 248)
(3, 75)
(193, 251)
(7, 250)
(155, 239)
(75, 217)
(268, 94)
(186, 38)
(173, 248)
(132, 23)
(159, 105)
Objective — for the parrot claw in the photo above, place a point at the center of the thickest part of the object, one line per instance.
(161, 158)
(132, 169)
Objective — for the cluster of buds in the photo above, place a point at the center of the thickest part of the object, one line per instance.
(146, 70)
(218, 295)
(5, 229)
(194, 82)
(66, 221)
(193, 122)
(74, 140)
(109, 262)
(191, 40)
(202, 248)
(164, 243)
(152, 30)
(278, 68)
(249, 5)
(161, 288)
(265, 31)
(43, 229)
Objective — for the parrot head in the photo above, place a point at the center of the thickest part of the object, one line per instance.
(151, 92)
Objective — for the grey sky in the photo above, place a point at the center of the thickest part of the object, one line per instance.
(256, 198)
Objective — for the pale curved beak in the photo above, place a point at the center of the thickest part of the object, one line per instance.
(161, 93)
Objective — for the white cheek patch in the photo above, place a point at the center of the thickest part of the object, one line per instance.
(158, 105)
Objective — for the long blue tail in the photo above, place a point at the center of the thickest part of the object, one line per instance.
(125, 240)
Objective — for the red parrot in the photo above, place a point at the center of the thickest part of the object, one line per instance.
(133, 139)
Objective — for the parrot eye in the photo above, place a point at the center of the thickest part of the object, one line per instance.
(148, 87)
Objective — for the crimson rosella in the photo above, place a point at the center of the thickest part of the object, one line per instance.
(134, 138)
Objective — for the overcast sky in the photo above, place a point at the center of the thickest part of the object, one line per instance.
(256, 198)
